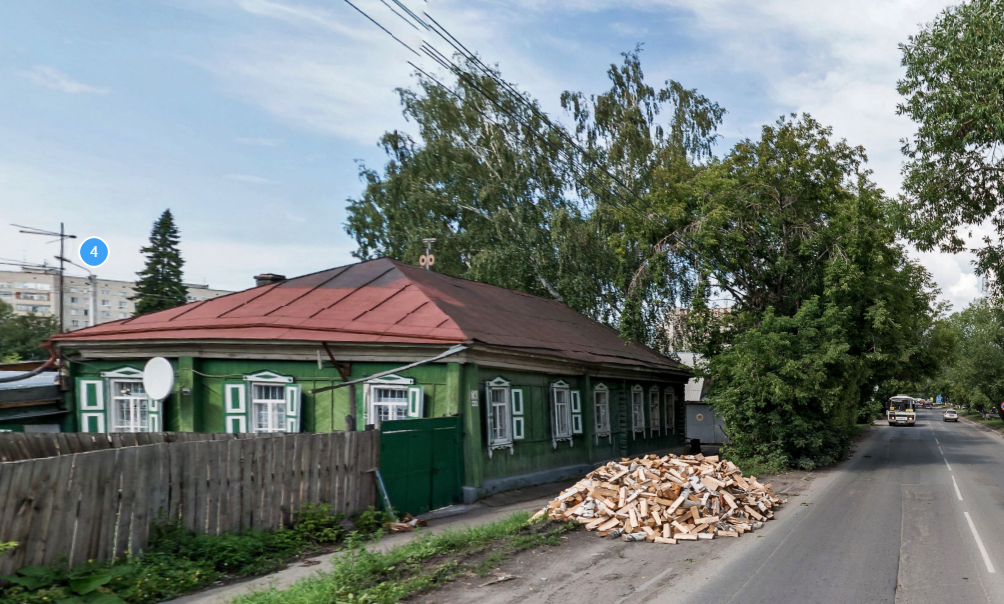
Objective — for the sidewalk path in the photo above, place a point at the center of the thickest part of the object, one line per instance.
(488, 510)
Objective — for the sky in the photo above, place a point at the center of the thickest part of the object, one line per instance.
(250, 119)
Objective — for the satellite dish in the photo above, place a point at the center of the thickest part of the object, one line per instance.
(158, 378)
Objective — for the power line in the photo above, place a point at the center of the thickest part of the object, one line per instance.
(443, 61)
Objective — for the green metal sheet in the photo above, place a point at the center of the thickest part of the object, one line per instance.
(420, 463)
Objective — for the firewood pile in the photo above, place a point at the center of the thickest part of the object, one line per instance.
(666, 499)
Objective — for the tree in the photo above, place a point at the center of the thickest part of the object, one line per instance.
(21, 336)
(953, 174)
(827, 311)
(516, 200)
(159, 286)
(974, 374)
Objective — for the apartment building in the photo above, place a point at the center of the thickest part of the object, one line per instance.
(36, 291)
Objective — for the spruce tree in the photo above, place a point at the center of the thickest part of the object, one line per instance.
(159, 286)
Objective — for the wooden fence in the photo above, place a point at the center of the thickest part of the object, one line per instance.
(15, 446)
(101, 504)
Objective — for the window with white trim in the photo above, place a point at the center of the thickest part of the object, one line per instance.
(130, 406)
(268, 407)
(392, 398)
(500, 420)
(390, 403)
(562, 411)
(601, 410)
(638, 409)
(653, 409)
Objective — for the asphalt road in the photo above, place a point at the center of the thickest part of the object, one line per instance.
(916, 516)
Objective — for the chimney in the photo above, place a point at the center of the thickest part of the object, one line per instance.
(268, 279)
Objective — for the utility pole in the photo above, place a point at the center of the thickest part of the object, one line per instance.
(61, 237)
(92, 281)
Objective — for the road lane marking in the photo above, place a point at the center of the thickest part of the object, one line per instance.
(979, 544)
(957, 491)
(946, 463)
(936, 440)
(942, 452)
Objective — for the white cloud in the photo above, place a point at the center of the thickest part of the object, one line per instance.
(49, 77)
(258, 142)
(249, 179)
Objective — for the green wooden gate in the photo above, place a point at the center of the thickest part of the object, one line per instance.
(421, 463)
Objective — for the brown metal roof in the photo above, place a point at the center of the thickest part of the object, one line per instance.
(385, 301)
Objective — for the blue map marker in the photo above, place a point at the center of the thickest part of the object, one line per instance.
(93, 251)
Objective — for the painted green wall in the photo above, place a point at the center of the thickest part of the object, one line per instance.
(536, 451)
(447, 388)
(202, 410)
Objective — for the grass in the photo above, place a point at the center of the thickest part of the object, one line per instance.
(178, 561)
(428, 562)
(994, 421)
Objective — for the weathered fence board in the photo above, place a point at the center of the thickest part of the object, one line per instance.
(100, 503)
(17, 446)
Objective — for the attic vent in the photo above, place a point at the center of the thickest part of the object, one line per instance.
(268, 279)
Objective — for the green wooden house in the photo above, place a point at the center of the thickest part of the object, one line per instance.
(538, 392)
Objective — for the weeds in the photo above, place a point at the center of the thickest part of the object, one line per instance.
(179, 561)
(362, 575)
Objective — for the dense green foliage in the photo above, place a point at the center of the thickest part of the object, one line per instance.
(952, 90)
(777, 261)
(363, 575)
(159, 286)
(974, 374)
(828, 313)
(178, 561)
(21, 336)
(513, 202)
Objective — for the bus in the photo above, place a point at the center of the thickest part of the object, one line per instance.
(902, 410)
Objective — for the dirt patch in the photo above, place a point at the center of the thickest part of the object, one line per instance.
(586, 568)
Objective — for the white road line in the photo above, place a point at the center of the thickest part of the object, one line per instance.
(946, 463)
(979, 544)
(942, 452)
(935, 440)
(957, 491)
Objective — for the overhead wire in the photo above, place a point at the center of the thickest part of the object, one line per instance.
(448, 64)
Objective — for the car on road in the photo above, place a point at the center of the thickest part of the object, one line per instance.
(951, 416)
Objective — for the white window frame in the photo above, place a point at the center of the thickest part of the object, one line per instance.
(500, 426)
(395, 406)
(601, 410)
(388, 382)
(561, 413)
(276, 421)
(654, 419)
(263, 378)
(637, 410)
(139, 407)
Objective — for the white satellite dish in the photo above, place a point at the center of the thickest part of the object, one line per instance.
(158, 378)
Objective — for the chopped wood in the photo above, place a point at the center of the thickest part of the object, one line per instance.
(662, 499)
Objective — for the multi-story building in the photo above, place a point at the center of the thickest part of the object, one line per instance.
(36, 291)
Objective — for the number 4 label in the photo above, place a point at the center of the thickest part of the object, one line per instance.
(93, 251)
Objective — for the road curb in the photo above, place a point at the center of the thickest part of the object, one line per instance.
(983, 427)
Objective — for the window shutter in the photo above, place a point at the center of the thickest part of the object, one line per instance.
(416, 401)
(554, 417)
(153, 415)
(518, 421)
(670, 419)
(576, 411)
(517, 401)
(236, 413)
(518, 427)
(293, 407)
(92, 412)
